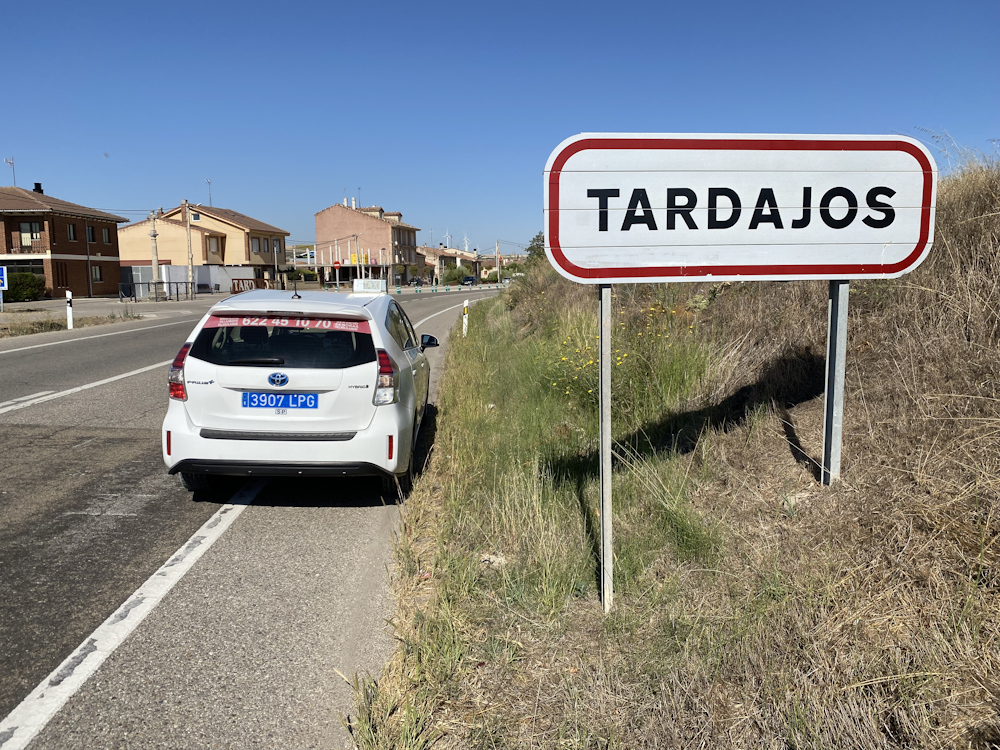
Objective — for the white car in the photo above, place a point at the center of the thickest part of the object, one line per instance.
(274, 383)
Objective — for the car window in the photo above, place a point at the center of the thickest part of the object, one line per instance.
(315, 344)
(409, 328)
(396, 327)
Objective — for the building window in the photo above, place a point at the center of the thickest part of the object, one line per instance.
(30, 232)
(195, 217)
(255, 244)
(95, 273)
(90, 234)
(107, 235)
(276, 246)
(213, 244)
(71, 231)
(61, 274)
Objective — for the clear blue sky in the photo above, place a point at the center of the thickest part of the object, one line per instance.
(448, 111)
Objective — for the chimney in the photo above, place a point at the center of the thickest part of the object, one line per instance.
(353, 203)
(38, 189)
(345, 201)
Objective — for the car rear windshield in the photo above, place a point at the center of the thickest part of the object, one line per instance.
(316, 343)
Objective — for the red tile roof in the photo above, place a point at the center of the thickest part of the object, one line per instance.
(14, 200)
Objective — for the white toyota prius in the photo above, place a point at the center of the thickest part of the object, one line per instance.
(275, 383)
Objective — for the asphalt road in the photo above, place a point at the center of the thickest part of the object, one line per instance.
(244, 651)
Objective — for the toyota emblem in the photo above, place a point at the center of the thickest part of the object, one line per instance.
(277, 379)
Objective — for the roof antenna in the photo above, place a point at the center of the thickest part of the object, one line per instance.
(295, 290)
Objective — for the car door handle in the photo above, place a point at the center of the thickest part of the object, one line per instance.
(414, 372)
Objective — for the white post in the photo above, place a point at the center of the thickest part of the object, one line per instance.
(69, 309)
(465, 319)
(836, 365)
(607, 551)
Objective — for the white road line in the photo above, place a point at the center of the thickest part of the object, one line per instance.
(42, 703)
(23, 398)
(421, 322)
(97, 336)
(71, 391)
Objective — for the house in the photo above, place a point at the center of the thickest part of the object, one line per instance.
(442, 258)
(366, 237)
(73, 247)
(219, 237)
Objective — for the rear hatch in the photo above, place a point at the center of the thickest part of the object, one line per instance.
(281, 374)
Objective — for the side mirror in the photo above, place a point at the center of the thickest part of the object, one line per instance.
(427, 340)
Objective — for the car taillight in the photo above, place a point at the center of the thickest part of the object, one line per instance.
(175, 377)
(387, 384)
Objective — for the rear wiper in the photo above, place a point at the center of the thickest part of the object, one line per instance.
(258, 361)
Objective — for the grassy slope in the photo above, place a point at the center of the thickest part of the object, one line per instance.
(755, 608)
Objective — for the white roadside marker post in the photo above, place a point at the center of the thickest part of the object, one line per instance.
(836, 363)
(607, 551)
(69, 309)
(465, 319)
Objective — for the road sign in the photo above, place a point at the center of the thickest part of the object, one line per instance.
(643, 208)
(336, 265)
(3, 278)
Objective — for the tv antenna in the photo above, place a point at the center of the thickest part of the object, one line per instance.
(11, 162)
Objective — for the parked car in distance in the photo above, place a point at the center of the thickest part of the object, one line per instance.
(416, 282)
(468, 281)
(273, 383)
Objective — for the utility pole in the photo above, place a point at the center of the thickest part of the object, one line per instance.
(187, 219)
(156, 259)
(498, 262)
(209, 192)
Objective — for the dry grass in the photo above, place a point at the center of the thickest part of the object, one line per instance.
(27, 322)
(756, 608)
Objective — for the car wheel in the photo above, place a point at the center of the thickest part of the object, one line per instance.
(195, 482)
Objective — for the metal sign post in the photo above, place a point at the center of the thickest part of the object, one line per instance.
(3, 284)
(836, 364)
(336, 270)
(607, 549)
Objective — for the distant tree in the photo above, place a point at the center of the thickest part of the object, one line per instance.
(536, 249)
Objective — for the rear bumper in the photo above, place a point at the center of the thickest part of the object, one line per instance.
(195, 450)
(263, 469)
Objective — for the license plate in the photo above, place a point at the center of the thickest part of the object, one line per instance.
(252, 400)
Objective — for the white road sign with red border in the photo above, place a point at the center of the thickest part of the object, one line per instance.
(628, 208)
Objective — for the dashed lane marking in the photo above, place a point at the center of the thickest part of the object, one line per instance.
(51, 694)
(71, 391)
(24, 398)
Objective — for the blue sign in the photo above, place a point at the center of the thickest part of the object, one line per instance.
(3, 278)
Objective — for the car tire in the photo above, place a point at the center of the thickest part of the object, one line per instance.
(195, 482)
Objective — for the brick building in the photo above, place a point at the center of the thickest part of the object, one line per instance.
(73, 247)
(381, 235)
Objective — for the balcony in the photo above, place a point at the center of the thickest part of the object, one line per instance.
(21, 245)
